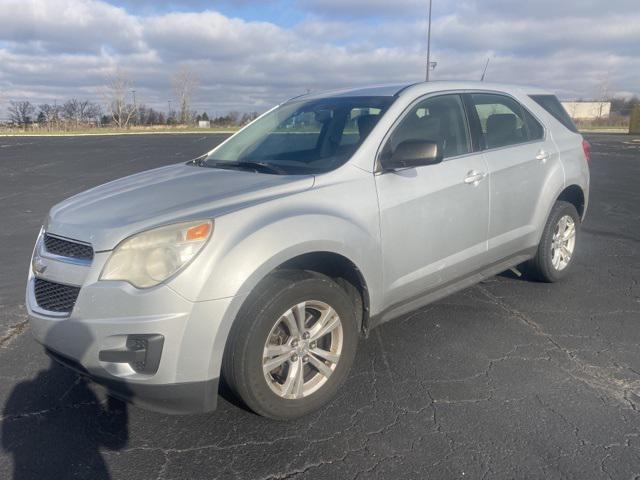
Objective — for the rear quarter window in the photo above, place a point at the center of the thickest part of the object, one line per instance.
(535, 130)
(552, 105)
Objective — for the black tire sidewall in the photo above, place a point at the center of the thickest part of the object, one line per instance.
(281, 292)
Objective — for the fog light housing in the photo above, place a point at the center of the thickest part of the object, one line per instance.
(142, 352)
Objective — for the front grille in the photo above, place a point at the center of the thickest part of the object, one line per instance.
(67, 248)
(55, 297)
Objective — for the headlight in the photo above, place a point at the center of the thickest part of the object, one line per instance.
(150, 257)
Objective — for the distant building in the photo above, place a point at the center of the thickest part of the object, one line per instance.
(204, 124)
(587, 110)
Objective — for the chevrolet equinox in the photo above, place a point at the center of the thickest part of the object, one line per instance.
(262, 262)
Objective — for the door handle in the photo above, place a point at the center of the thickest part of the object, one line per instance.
(474, 177)
(542, 156)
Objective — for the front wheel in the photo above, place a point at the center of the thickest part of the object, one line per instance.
(292, 345)
(556, 251)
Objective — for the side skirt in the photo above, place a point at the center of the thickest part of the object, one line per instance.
(449, 288)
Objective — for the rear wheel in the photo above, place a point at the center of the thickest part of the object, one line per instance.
(556, 250)
(292, 345)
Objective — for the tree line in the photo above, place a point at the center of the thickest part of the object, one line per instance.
(77, 114)
(120, 109)
(624, 105)
(73, 113)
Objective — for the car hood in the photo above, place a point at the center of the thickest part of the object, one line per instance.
(107, 214)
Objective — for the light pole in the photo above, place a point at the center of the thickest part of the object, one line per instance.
(429, 43)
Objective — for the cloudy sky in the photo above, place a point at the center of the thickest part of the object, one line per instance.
(250, 54)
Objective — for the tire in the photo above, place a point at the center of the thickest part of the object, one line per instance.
(550, 263)
(295, 387)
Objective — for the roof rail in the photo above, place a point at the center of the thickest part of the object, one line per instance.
(397, 94)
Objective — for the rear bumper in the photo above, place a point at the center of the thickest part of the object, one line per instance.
(174, 398)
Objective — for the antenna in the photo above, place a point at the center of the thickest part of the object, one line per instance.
(484, 72)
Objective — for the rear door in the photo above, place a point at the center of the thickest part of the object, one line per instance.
(433, 218)
(520, 156)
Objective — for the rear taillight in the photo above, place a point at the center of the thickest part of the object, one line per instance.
(586, 147)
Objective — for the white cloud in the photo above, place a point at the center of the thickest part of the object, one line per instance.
(547, 9)
(68, 26)
(361, 8)
(54, 49)
(211, 35)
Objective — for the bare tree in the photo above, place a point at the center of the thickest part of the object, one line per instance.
(21, 112)
(79, 112)
(149, 116)
(184, 83)
(2, 98)
(118, 87)
(50, 114)
(234, 117)
(604, 91)
(90, 111)
(248, 118)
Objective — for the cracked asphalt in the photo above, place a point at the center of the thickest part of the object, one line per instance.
(507, 379)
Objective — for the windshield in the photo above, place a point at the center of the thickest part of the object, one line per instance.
(302, 137)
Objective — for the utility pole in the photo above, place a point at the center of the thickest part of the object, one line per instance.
(429, 43)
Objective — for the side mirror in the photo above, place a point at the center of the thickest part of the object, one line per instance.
(413, 153)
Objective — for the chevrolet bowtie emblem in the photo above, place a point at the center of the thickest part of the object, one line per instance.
(39, 265)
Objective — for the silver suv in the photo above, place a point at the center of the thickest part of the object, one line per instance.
(262, 262)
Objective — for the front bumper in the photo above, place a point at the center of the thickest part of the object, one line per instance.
(176, 398)
(107, 314)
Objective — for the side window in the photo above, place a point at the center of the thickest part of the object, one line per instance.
(503, 120)
(552, 105)
(438, 119)
(360, 122)
(534, 129)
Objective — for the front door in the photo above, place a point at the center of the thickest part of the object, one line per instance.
(433, 218)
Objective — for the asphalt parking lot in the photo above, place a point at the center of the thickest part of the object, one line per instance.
(507, 379)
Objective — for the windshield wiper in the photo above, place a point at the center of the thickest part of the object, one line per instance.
(266, 167)
(254, 166)
(199, 162)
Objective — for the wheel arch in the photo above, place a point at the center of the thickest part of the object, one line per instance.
(343, 271)
(574, 195)
(331, 262)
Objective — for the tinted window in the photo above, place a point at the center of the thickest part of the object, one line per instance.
(502, 120)
(440, 119)
(552, 105)
(304, 136)
(534, 129)
(359, 123)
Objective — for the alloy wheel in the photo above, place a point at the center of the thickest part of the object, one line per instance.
(302, 349)
(563, 242)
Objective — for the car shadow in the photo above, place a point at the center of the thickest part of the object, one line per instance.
(55, 425)
(513, 276)
(226, 392)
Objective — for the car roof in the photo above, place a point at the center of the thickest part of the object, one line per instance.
(367, 91)
(422, 88)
